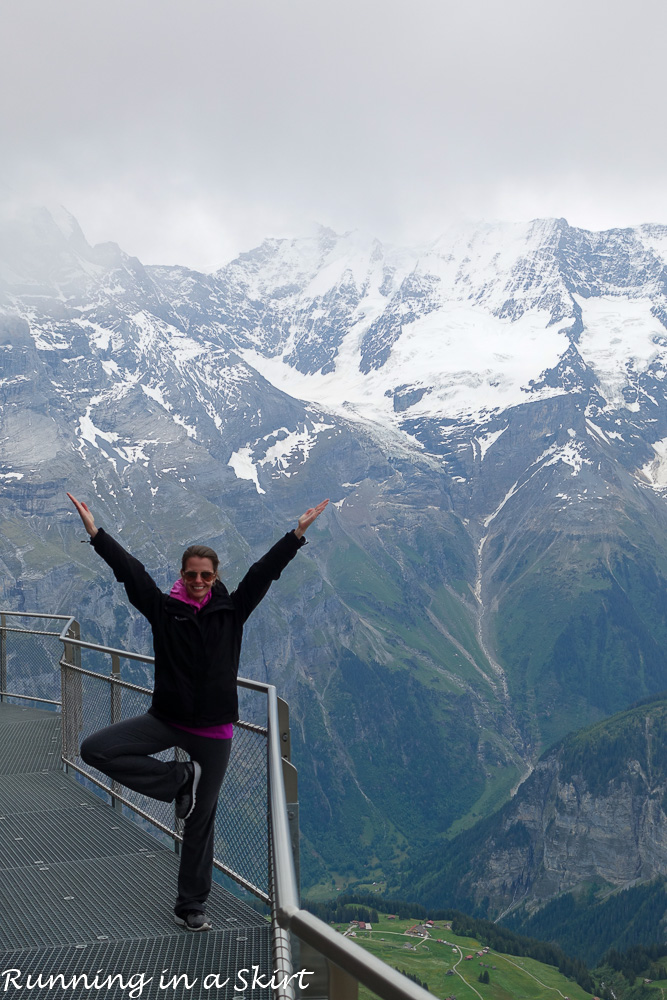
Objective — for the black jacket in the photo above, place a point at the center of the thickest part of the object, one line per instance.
(196, 652)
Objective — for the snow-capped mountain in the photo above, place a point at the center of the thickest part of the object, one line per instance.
(473, 322)
(489, 417)
(435, 346)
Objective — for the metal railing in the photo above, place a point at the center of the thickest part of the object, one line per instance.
(259, 791)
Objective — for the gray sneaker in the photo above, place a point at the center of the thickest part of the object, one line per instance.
(193, 921)
(186, 799)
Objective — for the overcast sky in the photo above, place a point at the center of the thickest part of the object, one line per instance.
(188, 130)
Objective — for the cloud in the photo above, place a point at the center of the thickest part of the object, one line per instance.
(187, 131)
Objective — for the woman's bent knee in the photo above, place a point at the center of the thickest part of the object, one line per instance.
(91, 752)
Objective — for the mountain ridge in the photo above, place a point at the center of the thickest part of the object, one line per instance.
(497, 529)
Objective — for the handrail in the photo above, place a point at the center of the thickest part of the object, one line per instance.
(103, 677)
(81, 644)
(110, 650)
(118, 682)
(125, 654)
(38, 614)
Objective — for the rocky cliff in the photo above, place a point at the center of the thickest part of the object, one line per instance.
(593, 813)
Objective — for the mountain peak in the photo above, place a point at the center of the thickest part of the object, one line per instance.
(46, 248)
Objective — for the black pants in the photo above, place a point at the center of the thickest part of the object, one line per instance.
(122, 752)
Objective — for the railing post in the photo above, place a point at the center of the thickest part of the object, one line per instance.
(71, 695)
(291, 784)
(115, 690)
(3, 656)
(283, 726)
(284, 944)
(115, 694)
(300, 951)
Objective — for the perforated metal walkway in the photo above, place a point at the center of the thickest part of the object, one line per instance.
(85, 892)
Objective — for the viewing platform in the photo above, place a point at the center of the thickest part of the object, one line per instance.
(88, 868)
(85, 889)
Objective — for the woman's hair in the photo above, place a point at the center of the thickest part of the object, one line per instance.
(202, 552)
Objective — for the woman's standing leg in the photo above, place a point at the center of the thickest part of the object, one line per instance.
(196, 869)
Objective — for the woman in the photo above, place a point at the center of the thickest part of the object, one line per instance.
(197, 632)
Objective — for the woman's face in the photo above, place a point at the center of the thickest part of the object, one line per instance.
(198, 577)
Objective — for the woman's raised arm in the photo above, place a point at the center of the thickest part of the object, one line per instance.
(85, 515)
(140, 586)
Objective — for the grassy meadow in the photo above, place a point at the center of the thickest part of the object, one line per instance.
(427, 958)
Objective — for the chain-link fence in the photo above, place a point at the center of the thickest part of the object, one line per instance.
(29, 652)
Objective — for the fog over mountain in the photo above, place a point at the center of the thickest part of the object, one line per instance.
(488, 414)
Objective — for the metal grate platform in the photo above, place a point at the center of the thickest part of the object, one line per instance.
(82, 888)
(15, 712)
(29, 745)
(207, 959)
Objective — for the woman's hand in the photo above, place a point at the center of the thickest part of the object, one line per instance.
(85, 515)
(307, 519)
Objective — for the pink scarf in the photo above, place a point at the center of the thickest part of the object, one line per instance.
(180, 593)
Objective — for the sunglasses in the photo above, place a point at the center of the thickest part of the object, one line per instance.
(191, 576)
